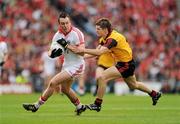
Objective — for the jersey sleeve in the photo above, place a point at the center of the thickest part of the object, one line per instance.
(110, 43)
(55, 37)
(79, 36)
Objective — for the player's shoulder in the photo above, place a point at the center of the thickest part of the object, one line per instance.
(117, 35)
(58, 34)
(76, 30)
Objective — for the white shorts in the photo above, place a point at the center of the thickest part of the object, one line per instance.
(75, 69)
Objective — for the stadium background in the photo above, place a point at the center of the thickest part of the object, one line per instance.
(151, 27)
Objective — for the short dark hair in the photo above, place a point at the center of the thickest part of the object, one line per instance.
(104, 23)
(63, 15)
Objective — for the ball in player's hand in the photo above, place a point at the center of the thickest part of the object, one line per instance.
(56, 50)
(57, 46)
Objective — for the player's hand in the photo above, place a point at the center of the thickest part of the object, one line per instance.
(55, 53)
(2, 63)
(62, 42)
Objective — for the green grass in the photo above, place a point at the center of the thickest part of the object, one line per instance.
(116, 110)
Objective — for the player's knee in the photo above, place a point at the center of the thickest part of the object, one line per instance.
(101, 77)
(64, 90)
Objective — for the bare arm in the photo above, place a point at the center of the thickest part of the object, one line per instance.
(87, 56)
(72, 48)
(97, 52)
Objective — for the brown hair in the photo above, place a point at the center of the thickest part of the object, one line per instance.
(104, 23)
(63, 15)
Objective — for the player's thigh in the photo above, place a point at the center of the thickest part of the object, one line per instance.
(61, 78)
(111, 73)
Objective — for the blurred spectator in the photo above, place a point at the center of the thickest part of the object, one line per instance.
(151, 27)
(49, 67)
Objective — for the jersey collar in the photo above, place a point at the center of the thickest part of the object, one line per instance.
(109, 33)
(61, 31)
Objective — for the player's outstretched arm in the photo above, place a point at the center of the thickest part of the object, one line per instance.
(77, 49)
(97, 52)
(87, 56)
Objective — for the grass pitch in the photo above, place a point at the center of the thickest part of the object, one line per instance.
(116, 110)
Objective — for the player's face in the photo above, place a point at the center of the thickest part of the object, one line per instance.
(100, 31)
(65, 24)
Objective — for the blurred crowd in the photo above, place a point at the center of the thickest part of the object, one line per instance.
(151, 26)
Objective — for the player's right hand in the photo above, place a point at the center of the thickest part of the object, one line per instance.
(56, 53)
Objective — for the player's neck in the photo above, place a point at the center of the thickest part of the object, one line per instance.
(106, 34)
(65, 32)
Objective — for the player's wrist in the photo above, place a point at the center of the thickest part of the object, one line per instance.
(84, 50)
(66, 46)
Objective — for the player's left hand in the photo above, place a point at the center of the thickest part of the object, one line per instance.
(62, 42)
(55, 53)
